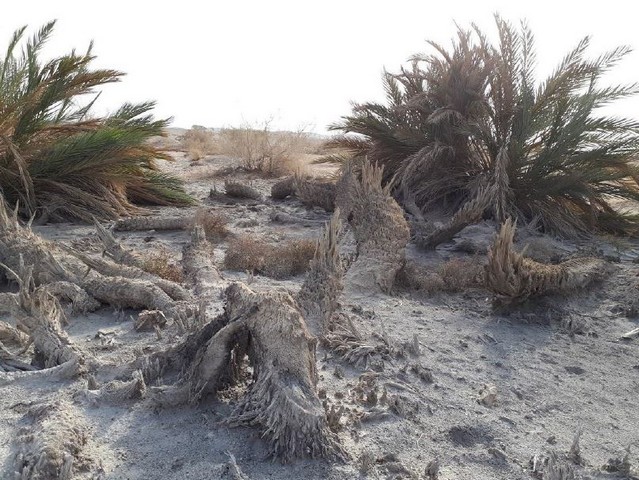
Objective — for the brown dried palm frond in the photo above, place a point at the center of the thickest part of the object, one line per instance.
(513, 277)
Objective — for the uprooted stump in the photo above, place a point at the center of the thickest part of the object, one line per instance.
(380, 231)
(282, 399)
(52, 447)
(514, 278)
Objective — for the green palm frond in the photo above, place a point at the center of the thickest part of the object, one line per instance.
(55, 159)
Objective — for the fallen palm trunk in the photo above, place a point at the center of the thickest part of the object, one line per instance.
(282, 400)
(199, 268)
(323, 283)
(182, 222)
(54, 374)
(381, 233)
(10, 335)
(285, 218)
(19, 246)
(40, 316)
(513, 277)
(241, 190)
(470, 213)
(109, 269)
(115, 392)
(52, 446)
(114, 250)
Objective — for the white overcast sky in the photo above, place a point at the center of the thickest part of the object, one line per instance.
(220, 63)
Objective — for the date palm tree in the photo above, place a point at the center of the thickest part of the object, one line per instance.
(473, 119)
(59, 161)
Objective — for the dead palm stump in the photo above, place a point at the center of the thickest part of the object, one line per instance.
(281, 400)
(380, 230)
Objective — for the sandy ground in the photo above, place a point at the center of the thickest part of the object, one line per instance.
(548, 382)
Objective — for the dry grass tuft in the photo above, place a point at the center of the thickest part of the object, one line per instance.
(283, 260)
(198, 142)
(215, 224)
(161, 262)
(260, 149)
(459, 274)
(455, 275)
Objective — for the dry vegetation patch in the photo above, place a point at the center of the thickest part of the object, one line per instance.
(260, 149)
(286, 259)
(161, 262)
(215, 224)
(452, 276)
(198, 142)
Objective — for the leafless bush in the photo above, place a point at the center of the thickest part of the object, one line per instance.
(258, 148)
(215, 224)
(285, 259)
(198, 142)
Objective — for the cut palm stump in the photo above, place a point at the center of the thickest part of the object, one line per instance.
(282, 399)
(381, 233)
(514, 278)
(323, 283)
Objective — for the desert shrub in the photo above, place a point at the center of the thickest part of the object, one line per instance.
(285, 259)
(474, 117)
(419, 278)
(161, 262)
(263, 150)
(215, 224)
(198, 142)
(59, 161)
